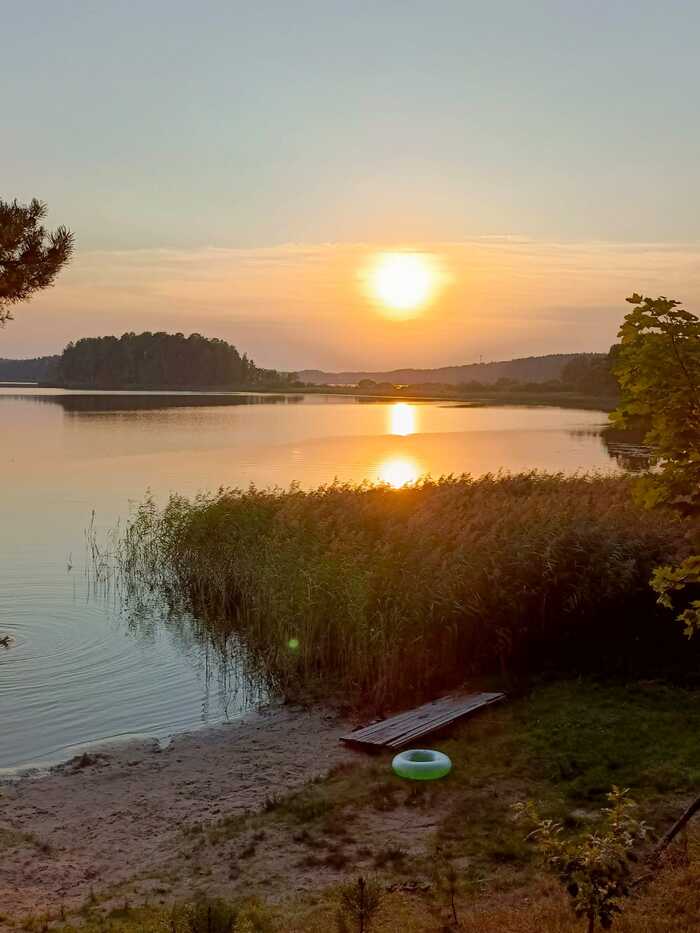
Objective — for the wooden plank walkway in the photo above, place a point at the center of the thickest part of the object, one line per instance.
(407, 728)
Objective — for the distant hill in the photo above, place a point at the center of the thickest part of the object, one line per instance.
(36, 369)
(528, 369)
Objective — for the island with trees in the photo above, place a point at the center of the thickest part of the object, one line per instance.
(160, 361)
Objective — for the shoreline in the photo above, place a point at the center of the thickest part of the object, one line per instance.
(482, 399)
(41, 767)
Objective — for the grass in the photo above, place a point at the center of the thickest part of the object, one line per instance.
(14, 839)
(393, 595)
(671, 904)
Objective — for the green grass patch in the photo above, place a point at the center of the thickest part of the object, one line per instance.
(584, 737)
(565, 745)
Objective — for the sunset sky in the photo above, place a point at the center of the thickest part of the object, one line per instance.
(233, 167)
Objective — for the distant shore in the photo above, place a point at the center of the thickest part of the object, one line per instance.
(480, 399)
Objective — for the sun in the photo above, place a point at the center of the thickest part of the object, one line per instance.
(402, 284)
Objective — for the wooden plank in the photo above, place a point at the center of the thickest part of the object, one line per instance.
(431, 715)
(394, 727)
(404, 738)
(419, 722)
(427, 723)
(409, 738)
(405, 728)
(429, 710)
(412, 715)
(454, 707)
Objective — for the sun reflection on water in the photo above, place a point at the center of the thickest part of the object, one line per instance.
(399, 471)
(402, 419)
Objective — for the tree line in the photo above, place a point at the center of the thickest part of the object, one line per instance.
(37, 369)
(160, 360)
(587, 374)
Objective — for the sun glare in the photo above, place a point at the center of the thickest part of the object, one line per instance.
(403, 284)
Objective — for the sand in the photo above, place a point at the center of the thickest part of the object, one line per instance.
(111, 825)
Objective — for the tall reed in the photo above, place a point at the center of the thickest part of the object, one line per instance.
(391, 595)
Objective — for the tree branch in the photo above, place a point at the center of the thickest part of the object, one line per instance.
(680, 823)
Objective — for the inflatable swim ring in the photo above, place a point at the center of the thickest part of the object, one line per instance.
(421, 764)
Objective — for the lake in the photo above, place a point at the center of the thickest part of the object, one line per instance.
(86, 665)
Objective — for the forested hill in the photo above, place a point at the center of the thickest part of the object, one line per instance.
(159, 360)
(528, 369)
(32, 370)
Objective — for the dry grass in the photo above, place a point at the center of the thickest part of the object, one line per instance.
(669, 904)
(391, 595)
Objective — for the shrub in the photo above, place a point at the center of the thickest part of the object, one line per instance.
(594, 870)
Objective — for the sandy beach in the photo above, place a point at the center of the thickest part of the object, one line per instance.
(111, 825)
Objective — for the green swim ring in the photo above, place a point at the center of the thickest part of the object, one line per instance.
(421, 764)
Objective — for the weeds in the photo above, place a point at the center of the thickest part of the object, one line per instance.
(447, 881)
(359, 902)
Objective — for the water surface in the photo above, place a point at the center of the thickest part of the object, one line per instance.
(85, 667)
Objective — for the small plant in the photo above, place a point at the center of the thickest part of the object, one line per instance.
(593, 869)
(204, 915)
(359, 902)
(447, 881)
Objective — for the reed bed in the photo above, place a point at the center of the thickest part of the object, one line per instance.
(390, 595)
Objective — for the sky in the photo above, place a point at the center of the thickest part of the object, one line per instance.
(230, 168)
